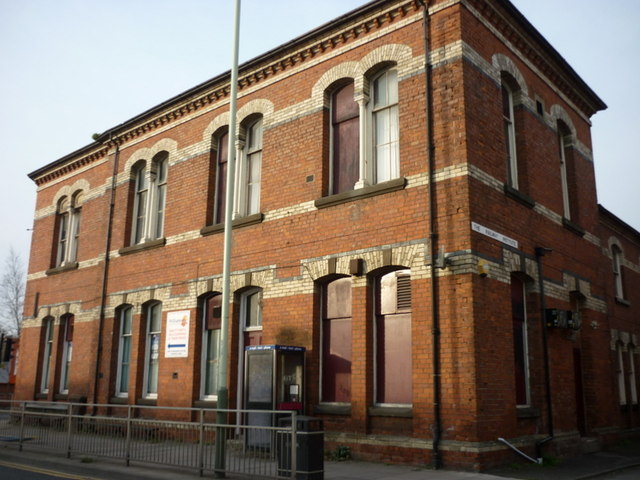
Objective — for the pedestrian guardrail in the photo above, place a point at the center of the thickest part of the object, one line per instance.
(253, 443)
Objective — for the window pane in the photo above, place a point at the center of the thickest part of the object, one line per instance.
(254, 310)
(345, 140)
(393, 357)
(152, 372)
(162, 191)
(254, 167)
(518, 314)
(336, 360)
(221, 178)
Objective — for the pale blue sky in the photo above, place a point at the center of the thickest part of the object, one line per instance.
(74, 67)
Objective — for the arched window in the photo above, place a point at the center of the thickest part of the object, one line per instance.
(210, 312)
(364, 133)
(336, 341)
(616, 253)
(393, 355)
(125, 328)
(384, 122)
(508, 120)
(345, 139)
(150, 193)
(68, 229)
(566, 172)
(253, 167)
(221, 142)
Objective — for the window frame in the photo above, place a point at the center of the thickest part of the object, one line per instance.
(149, 198)
(564, 141)
(369, 118)
(524, 327)
(68, 229)
(391, 107)
(47, 356)
(509, 127)
(67, 324)
(324, 317)
(124, 313)
(153, 311)
(250, 148)
(633, 388)
(378, 314)
(622, 390)
(205, 362)
(616, 254)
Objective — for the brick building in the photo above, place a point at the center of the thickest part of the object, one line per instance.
(415, 199)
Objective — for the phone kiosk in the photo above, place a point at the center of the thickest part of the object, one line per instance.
(274, 380)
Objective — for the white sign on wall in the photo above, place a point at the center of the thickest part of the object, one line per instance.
(177, 344)
(493, 234)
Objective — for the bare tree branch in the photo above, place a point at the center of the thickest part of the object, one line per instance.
(12, 286)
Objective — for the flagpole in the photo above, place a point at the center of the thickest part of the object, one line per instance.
(223, 390)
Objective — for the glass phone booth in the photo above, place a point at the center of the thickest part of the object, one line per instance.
(274, 380)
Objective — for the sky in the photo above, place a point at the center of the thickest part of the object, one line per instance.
(71, 68)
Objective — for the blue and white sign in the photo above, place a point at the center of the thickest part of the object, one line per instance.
(177, 344)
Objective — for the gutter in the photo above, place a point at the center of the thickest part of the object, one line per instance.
(105, 269)
(436, 461)
(541, 252)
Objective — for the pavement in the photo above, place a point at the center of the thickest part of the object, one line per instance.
(624, 456)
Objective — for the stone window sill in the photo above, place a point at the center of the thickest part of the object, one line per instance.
(332, 409)
(527, 412)
(143, 246)
(237, 223)
(205, 404)
(150, 402)
(400, 412)
(366, 192)
(623, 302)
(573, 227)
(63, 268)
(119, 400)
(519, 197)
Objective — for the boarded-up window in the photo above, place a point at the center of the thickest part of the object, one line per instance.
(336, 341)
(393, 338)
(345, 136)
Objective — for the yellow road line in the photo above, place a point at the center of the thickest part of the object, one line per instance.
(45, 471)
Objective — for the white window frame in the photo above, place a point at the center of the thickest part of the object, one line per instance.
(46, 357)
(622, 391)
(616, 253)
(67, 354)
(125, 313)
(633, 389)
(150, 196)
(68, 230)
(566, 206)
(389, 109)
(510, 129)
(249, 151)
(206, 333)
(241, 343)
(152, 311)
(369, 113)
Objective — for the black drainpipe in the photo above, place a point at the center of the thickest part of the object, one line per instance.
(105, 270)
(436, 461)
(540, 252)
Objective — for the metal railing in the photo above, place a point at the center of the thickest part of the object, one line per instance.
(181, 437)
